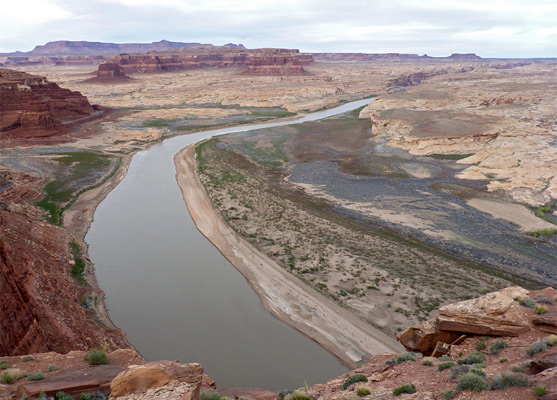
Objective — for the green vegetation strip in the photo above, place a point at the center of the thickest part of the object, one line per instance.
(59, 191)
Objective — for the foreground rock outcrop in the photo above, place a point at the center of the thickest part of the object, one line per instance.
(475, 367)
(33, 107)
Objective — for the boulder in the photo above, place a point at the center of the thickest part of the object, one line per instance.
(423, 337)
(139, 379)
(495, 314)
(547, 362)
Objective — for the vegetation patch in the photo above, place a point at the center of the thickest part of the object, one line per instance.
(474, 358)
(471, 381)
(96, 357)
(362, 390)
(79, 264)
(35, 377)
(401, 358)
(539, 391)
(353, 379)
(410, 388)
(77, 172)
(10, 375)
(544, 232)
(497, 346)
(506, 380)
(445, 365)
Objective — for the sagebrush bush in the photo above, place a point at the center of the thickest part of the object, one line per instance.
(353, 379)
(540, 310)
(471, 381)
(537, 347)
(448, 395)
(401, 358)
(10, 375)
(507, 379)
(298, 395)
(4, 364)
(63, 396)
(539, 391)
(362, 390)
(474, 358)
(210, 396)
(53, 367)
(35, 377)
(427, 363)
(550, 340)
(445, 365)
(481, 344)
(518, 368)
(410, 388)
(27, 358)
(96, 357)
(457, 370)
(497, 346)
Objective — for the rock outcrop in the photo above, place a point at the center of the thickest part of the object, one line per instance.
(109, 72)
(258, 61)
(139, 379)
(39, 300)
(33, 107)
(495, 314)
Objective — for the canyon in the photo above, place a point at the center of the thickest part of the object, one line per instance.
(496, 115)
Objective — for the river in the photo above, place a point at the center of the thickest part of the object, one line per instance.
(177, 297)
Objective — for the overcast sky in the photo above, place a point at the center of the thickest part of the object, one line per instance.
(490, 28)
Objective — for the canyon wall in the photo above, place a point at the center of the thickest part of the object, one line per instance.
(34, 107)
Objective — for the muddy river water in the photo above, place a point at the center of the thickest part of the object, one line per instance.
(177, 297)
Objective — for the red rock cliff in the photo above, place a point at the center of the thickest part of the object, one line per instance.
(33, 107)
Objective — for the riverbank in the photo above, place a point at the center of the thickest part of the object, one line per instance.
(283, 295)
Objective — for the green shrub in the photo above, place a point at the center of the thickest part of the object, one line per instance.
(550, 340)
(27, 358)
(428, 363)
(445, 365)
(298, 395)
(284, 393)
(527, 302)
(404, 389)
(96, 357)
(10, 375)
(540, 310)
(540, 391)
(474, 358)
(35, 377)
(63, 396)
(448, 395)
(362, 390)
(519, 368)
(4, 364)
(444, 357)
(401, 358)
(507, 379)
(53, 367)
(471, 381)
(353, 379)
(497, 346)
(537, 347)
(211, 396)
(481, 344)
(503, 360)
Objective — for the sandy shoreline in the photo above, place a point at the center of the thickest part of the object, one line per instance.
(282, 294)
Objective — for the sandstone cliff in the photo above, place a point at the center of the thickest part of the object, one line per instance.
(258, 61)
(33, 107)
(42, 307)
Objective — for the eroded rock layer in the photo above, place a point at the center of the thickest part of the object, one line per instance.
(258, 61)
(32, 106)
(40, 303)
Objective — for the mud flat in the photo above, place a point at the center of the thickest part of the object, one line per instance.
(282, 294)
